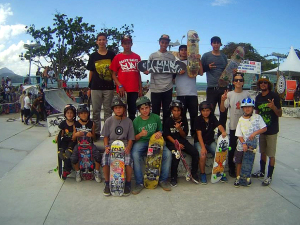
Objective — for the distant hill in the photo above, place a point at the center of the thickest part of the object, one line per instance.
(4, 72)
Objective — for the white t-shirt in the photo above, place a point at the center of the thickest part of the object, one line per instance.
(26, 102)
(246, 127)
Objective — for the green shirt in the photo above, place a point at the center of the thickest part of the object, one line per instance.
(151, 125)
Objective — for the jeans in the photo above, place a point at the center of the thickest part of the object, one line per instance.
(131, 102)
(139, 150)
(210, 148)
(33, 112)
(232, 143)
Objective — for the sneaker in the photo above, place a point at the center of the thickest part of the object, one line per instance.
(65, 175)
(248, 181)
(258, 174)
(77, 176)
(127, 190)
(26, 122)
(173, 182)
(165, 185)
(138, 188)
(237, 182)
(203, 178)
(195, 178)
(224, 179)
(267, 181)
(32, 122)
(232, 173)
(97, 176)
(106, 191)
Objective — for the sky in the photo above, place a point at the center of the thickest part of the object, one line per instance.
(269, 25)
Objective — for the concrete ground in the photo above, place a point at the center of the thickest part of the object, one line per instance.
(31, 192)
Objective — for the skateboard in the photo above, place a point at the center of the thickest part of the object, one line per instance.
(220, 159)
(248, 161)
(161, 66)
(117, 168)
(153, 162)
(178, 154)
(235, 60)
(59, 160)
(85, 155)
(193, 65)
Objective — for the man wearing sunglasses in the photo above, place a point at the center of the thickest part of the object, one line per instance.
(267, 104)
(232, 100)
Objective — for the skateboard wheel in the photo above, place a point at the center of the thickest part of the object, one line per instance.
(229, 148)
(254, 150)
(173, 151)
(177, 157)
(224, 175)
(145, 176)
(157, 178)
(215, 176)
(187, 179)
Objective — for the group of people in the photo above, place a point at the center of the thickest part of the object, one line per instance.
(107, 70)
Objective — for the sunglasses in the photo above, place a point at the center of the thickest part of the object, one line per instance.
(263, 82)
(240, 80)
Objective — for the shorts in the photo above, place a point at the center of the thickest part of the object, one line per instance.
(22, 112)
(96, 154)
(238, 156)
(26, 112)
(211, 148)
(267, 144)
(106, 160)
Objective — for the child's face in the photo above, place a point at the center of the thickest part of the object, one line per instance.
(237, 81)
(183, 52)
(69, 115)
(176, 111)
(119, 110)
(163, 45)
(101, 41)
(248, 110)
(83, 116)
(216, 45)
(145, 110)
(205, 113)
(127, 45)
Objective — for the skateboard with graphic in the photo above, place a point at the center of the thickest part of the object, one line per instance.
(85, 155)
(117, 168)
(161, 66)
(235, 60)
(59, 160)
(248, 161)
(178, 154)
(193, 64)
(153, 162)
(220, 159)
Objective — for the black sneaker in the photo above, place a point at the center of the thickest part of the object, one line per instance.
(127, 190)
(232, 173)
(237, 182)
(106, 190)
(195, 178)
(173, 182)
(258, 174)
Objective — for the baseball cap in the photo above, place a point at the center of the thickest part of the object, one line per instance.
(126, 37)
(215, 39)
(165, 37)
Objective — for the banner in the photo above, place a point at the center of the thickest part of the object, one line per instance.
(247, 66)
(290, 90)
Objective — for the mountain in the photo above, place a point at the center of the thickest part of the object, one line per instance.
(4, 72)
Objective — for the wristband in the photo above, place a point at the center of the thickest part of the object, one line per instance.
(106, 146)
(120, 86)
(243, 143)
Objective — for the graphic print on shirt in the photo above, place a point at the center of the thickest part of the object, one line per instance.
(264, 112)
(129, 65)
(151, 127)
(119, 130)
(102, 68)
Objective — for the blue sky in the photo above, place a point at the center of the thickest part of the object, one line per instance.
(270, 26)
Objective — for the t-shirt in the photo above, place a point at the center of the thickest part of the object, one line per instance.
(151, 125)
(26, 102)
(68, 130)
(116, 129)
(207, 128)
(246, 127)
(214, 74)
(88, 127)
(161, 82)
(233, 102)
(268, 115)
(170, 130)
(185, 85)
(99, 65)
(127, 69)
(36, 104)
(21, 101)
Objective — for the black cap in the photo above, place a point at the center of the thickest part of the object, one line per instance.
(215, 39)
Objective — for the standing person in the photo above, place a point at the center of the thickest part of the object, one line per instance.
(161, 84)
(27, 105)
(7, 93)
(232, 100)
(3, 82)
(100, 81)
(42, 105)
(21, 101)
(267, 104)
(46, 76)
(145, 126)
(35, 109)
(127, 76)
(186, 90)
(214, 62)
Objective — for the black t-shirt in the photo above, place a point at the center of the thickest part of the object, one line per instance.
(68, 130)
(102, 75)
(85, 128)
(207, 129)
(268, 115)
(170, 130)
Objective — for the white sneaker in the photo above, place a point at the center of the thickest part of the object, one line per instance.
(97, 176)
(78, 177)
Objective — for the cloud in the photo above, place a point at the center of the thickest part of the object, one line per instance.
(9, 31)
(221, 2)
(5, 11)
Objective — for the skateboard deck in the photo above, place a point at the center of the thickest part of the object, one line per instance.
(193, 65)
(117, 168)
(248, 161)
(86, 162)
(178, 155)
(234, 62)
(153, 162)
(220, 159)
(59, 160)
(161, 66)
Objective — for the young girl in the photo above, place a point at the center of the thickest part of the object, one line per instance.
(248, 128)
(85, 127)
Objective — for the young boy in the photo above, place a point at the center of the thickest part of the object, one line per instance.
(85, 127)
(35, 109)
(126, 75)
(66, 144)
(232, 101)
(204, 141)
(21, 101)
(248, 128)
(145, 126)
(118, 127)
(27, 106)
(176, 127)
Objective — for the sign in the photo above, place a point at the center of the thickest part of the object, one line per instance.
(247, 66)
(290, 90)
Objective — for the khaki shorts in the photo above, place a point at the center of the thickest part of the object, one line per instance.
(267, 144)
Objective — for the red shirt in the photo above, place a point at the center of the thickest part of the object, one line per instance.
(127, 71)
